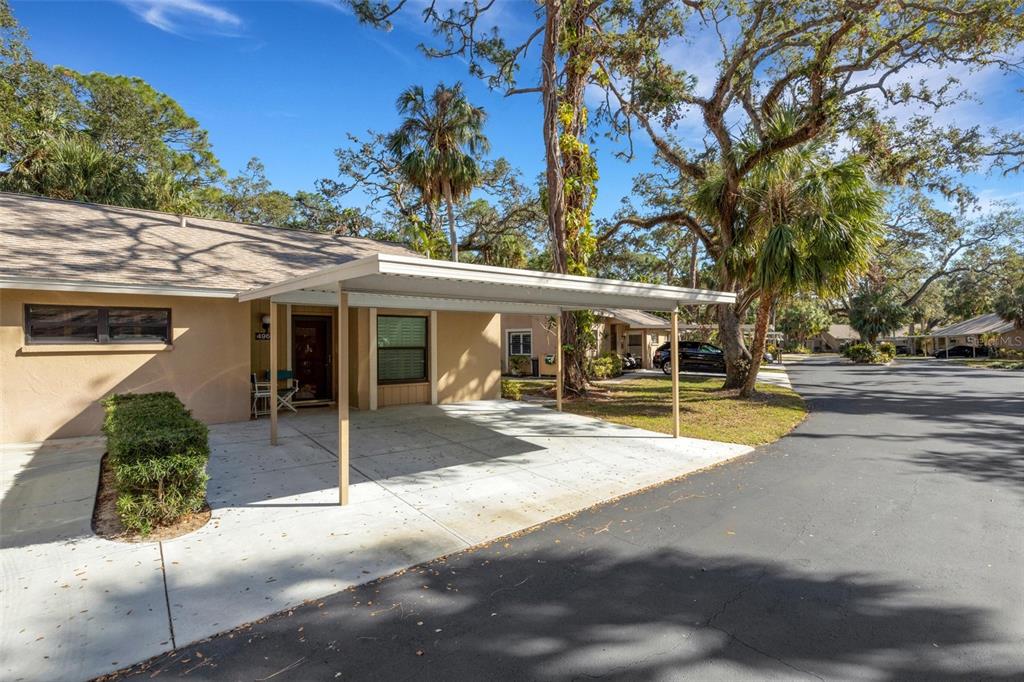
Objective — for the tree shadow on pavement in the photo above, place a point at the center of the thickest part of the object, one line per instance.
(579, 609)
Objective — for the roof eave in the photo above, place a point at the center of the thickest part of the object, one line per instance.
(49, 284)
(665, 297)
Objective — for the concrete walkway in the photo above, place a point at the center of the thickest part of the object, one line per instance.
(427, 481)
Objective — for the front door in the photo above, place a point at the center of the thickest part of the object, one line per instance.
(636, 347)
(311, 339)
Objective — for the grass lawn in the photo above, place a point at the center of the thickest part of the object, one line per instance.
(991, 363)
(705, 410)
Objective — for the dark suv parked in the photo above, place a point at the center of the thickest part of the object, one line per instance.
(695, 355)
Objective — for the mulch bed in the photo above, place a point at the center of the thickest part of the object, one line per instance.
(107, 524)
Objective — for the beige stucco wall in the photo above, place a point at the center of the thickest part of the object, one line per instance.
(611, 336)
(468, 356)
(471, 340)
(49, 392)
(543, 339)
(1013, 339)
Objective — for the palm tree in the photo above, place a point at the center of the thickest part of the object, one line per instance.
(875, 310)
(74, 167)
(809, 224)
(437, 144)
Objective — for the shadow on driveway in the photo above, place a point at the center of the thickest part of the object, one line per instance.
(592, 608)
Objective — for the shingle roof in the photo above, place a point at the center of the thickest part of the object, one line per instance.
(842, 332)
(989, 323)
(91, 243)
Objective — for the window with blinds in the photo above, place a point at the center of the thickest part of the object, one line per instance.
(401, 349)
(82, 324)
(520, 343)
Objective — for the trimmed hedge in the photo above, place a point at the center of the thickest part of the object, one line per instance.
(158, 452)
(511, 390)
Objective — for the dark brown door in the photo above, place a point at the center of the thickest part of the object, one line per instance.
(311, 336)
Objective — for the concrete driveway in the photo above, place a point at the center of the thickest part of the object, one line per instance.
(882, 540)
(426, 481)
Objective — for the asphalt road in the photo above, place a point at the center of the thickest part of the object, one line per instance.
(882, 539)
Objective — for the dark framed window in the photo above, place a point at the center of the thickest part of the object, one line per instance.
(69, 324)
(520, 343)
(401, 349)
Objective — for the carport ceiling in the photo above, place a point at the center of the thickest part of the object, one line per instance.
(384, 280)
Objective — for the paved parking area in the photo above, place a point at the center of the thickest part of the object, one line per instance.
(426, 481)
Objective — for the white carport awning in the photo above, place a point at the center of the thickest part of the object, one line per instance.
(392, 281)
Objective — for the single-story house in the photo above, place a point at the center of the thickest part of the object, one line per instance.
(96, 300)
(617, 331)
(833, 339)
(984, 330)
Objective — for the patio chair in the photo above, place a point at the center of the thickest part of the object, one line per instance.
(285, 395)
(260, 397)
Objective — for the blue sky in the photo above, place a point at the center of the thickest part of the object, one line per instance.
(286, 80)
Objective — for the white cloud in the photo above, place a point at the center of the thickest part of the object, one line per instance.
(992, 200)
(337, 5)
(181, 17)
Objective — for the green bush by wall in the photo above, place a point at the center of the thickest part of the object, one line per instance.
(1008, 354)
(158, 452)
(520, 365)
(511, 390)
(606, 366)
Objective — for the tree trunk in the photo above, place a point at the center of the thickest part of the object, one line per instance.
(451, 222)
(730, 335)
(562, 164)
(693, 262)
(574, 360)
(764, 311)
(552, 153)
(694, 310)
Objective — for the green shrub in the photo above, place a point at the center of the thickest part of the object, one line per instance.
(606, 366)
(158, 452)
(520, 365)
(1008, 353)
(511, 390)
(866, 353)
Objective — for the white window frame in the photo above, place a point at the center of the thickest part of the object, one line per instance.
(508, 341)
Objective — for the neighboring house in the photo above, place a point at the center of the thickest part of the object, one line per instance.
(840, 335)
(634, 332)
(96, 300)
(988, 329)
(617, 331)
(832, 341)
